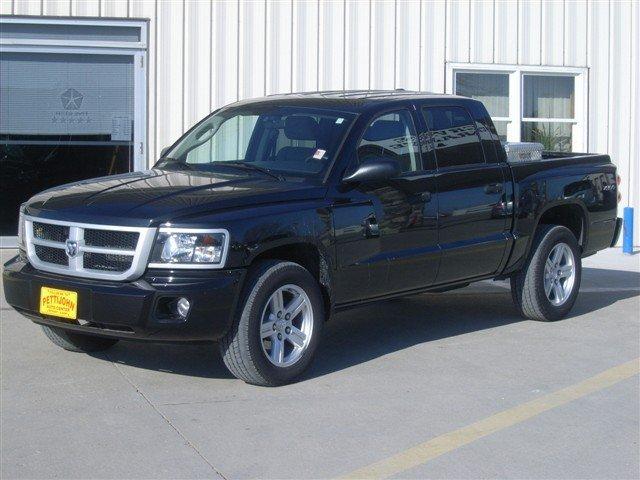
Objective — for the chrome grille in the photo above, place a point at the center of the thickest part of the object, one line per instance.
(48, 231)
(107, 261)
(111, 239)
(51, 255)
(88, 250)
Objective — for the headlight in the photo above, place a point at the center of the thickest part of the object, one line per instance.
(189, 248)
(21, 243)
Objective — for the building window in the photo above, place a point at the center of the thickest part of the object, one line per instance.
(72, 105)
(492, 89)
(528, 104)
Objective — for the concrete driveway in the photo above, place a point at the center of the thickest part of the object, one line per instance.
(450, 385)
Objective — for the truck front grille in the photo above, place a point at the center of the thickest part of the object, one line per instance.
(107, 261)
(111, 239)
(51, 255)
(87, 250)
(48, 231)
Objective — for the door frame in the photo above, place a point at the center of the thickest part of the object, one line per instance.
(136, 50)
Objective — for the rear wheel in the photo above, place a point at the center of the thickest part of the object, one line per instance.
(277, 327)
(77, 342)
(547, 286)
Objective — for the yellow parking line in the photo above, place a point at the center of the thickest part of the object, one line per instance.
(450, 441)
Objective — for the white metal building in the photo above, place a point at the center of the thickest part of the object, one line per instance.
(93, 87)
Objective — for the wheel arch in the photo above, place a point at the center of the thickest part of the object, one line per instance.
(310, 256)
(571, 215)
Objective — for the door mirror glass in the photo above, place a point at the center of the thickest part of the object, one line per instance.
(374, 170)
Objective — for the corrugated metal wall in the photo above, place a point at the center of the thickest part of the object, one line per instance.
(204, 53)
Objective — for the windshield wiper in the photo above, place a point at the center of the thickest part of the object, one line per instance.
(251, 166)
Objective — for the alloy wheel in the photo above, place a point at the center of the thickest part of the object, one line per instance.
(287, 325)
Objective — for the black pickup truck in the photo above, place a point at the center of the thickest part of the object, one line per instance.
(271, 214)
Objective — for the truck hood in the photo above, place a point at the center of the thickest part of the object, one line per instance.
(156, 196)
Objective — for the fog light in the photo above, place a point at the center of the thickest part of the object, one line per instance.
(182, 307)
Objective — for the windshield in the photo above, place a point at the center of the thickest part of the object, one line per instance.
(277, 141)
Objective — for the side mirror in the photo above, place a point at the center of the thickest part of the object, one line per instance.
(374, 170)
(164, 151)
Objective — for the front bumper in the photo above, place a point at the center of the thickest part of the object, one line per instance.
(132, 309)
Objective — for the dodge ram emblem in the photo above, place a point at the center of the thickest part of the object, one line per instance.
(71, 248)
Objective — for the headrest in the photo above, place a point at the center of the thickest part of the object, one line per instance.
(384, 130)
(300, 127)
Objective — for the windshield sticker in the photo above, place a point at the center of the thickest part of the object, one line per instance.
(319, 154)
(339, 121)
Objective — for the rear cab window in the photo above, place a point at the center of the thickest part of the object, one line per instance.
(454, 136)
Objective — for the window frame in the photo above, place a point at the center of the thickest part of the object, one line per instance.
(579, 133)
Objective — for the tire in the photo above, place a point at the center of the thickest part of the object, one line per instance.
(528, 291)
(250, 348)
(78, 342)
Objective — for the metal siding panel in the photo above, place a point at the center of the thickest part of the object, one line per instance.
(481, 30)
(279, 55)
(252, 49)
(56, 7)
(197, 62)
(408, 45)
(358, 44)
(224, 53)
(552, 32)
(148, 10)
(85, 8)
(383, 53)
(331, 47)
(529, 41)
(6, 7)
(114, 8)
(634, 123)
(433, 41)
(598, 47)
(506, 32)
(305, 46)
(620, 91)
(458, 26)
(27, 7)
(575, 33)
(170, 108)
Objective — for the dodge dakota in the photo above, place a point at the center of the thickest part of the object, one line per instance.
(272, 214)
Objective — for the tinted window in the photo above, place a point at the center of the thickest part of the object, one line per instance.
(392, 135)
(288, 140)
(454, 136)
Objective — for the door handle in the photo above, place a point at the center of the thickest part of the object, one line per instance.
(493, 188)
(370, 226)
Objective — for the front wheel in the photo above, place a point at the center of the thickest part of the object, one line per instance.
(277, 327)
(547, 286)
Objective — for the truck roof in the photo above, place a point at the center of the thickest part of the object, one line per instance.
(355, 101)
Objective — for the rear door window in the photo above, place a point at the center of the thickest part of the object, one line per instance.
(454, 136)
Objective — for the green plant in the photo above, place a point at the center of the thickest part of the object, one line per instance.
(550, 138)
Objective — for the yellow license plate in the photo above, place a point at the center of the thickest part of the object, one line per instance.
(59, 303)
